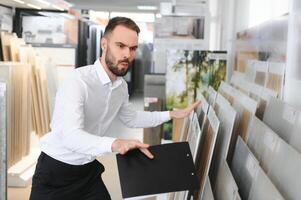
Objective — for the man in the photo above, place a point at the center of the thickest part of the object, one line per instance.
(85, 107)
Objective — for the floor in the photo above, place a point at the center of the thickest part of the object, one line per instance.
(110, 176)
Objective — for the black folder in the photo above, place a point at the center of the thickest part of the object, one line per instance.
(171, 170)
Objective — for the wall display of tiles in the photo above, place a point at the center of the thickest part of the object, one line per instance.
(17, 78)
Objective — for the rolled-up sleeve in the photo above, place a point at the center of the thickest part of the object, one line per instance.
(141, 119)
(71, 98)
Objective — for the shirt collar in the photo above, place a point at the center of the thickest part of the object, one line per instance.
(104, 77)
(102, 74)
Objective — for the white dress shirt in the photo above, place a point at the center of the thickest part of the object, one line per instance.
(86, 104)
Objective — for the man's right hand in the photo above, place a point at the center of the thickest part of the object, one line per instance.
(123, 146)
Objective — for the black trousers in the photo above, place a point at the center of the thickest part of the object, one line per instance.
(55, 180)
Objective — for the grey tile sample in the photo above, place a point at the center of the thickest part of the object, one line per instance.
(263, 188)
(262, 142)
(285, 120)
(3, 142)
(284, 171)
(225, 187)
(207, 194)
(227, 116)
(244, 168)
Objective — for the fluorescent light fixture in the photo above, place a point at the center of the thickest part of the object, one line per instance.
(57, 7)
(33, 6)
(158, 15)
(19, 1)
(147, 7)
(46, 3)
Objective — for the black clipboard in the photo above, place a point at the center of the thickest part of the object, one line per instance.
(171, 170)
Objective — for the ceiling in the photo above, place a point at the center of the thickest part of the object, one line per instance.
(115, 5)
(96, 5)
(37, 4)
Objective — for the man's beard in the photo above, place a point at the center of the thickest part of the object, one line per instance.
(113, 64)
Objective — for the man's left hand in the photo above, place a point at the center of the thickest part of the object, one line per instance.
(178, 114)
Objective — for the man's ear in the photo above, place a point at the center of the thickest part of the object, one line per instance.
(104, 43)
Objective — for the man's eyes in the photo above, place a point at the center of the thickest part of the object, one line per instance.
(133, 48)
(123, 46)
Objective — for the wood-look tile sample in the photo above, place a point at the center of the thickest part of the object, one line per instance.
(153, 135)
(275, 80)
(185, 127)
(177, 125)
(245, 108)
(205, 151)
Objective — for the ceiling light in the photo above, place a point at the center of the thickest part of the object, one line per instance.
(147, 7)
(43, 2)
(19, 1)
(158, 15)
(33, 6)
(57, 7)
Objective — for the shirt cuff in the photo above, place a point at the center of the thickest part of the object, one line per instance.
(165, 116)
(107, 143)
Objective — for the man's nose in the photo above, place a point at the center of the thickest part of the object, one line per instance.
(126, 52)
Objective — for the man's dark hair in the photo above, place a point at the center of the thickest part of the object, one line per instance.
(123, 21)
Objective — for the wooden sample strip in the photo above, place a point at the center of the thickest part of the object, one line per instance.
(185, 127)
(153, 135)
(16, 76)
(275, 78)
(245, 108)
(205, 151)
